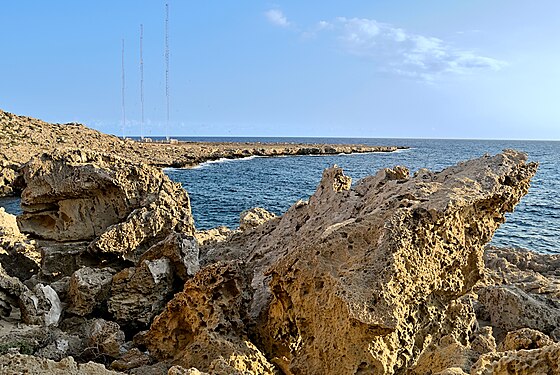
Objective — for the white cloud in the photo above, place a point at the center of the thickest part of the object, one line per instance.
(399, 51)
(322, 25)
(319, 26)
(276, 17)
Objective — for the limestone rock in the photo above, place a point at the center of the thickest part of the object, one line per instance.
(20, 259)
(133, 358)
(529, 271)
(8, 225)
(88, 288)
(8, 177)
(205, 323)
(483, 341)
(384, 259)
(510, 308)
(61, 345)
(524, 338)
(181, 250)
(104, 337)
(544, 360)
(18, 255)
(214, 235)
(22, 338)
(61, 259)
(178, 370)
(148, 225)
(40, 306)
(254, 217)
(78, 195)
(160, 368)
(54, 312)
(16, 364)
(447, 354)
(61, 287)
(138, 294)
(364, 279)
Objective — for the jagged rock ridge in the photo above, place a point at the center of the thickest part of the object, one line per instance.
(384, 277)
(364, 279)
(22, 138)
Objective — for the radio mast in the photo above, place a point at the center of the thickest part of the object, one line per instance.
(123, 83)
(141, 83)
(167, 68)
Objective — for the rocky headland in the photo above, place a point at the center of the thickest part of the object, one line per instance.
(105, 273)
(23, 137)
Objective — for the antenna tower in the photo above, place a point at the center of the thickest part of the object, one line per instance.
(167, 68)
(141, 82)
(123, 82)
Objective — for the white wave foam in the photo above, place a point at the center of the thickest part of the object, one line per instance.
(227, 160)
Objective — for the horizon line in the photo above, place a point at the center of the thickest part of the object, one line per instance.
(342, 137)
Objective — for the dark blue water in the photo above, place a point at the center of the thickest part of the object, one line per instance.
(220, 191)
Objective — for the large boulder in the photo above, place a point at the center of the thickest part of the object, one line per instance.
(524, 338)
(104, 337)
(181, 250)
(140, 293)
(89, 287)
(8, 178)
(40, 306)
(205, 325)
(18, 256)
(8, 225)
(378, 270)
(357, 280)
(122, 207)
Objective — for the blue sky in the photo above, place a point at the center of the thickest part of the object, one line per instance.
(430, 69)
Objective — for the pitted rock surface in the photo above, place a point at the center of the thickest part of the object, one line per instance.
(123, 207)
(365, 279)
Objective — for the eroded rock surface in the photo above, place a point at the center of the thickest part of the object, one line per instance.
(365, 279)
(510, 308)
(384, 277)
(254, 217)
(18, 256)
(524, 338)
(88, 288)
(202, 332)
(214, 235)
(105, 337)
(181, 250)
(16, 364)
(545, 360)
(138, 294)
(78, 195)
(39, 306)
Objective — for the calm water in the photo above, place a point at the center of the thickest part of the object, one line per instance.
(221, 190)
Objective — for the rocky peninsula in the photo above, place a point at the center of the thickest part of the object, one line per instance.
(23, 137)
(105, 273)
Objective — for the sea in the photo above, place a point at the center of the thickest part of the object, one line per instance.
(220, 190)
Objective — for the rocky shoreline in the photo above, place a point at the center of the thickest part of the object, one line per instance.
(23, 137)
(105, 273)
